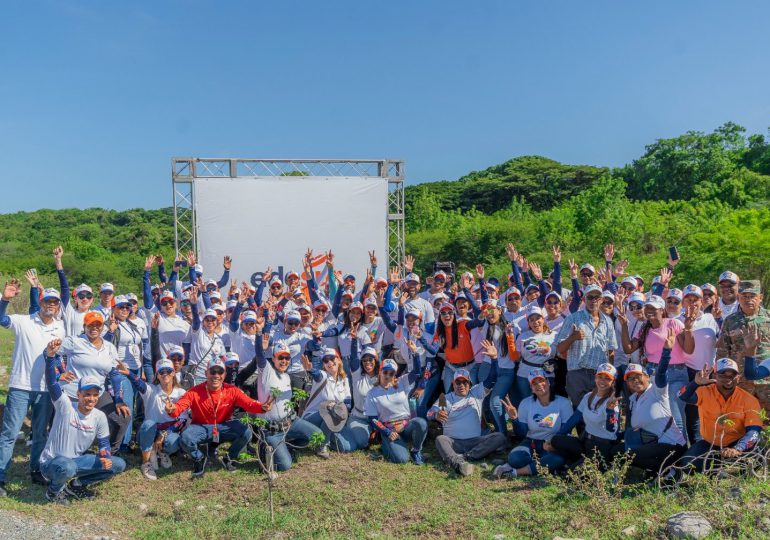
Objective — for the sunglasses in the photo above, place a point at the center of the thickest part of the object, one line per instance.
(85, 296)
(439, 280)
(292, 323)
(553, 302)
(165, 371)
(210, 319)
(673, 301)
(708, 294)
(123, 306)
(446, 313)
(248, 323)
(95, 325)
(330, 359)
(176, 357)
(592, 298)
(634, 307)
(285, 357)
(321, 310)
(167, 302)
(217, 371)
(276, 287)
(608, 302)
(185, 303)
(586, 274)
(463, 381)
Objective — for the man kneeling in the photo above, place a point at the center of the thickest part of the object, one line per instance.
(461, 419)
(75, 426)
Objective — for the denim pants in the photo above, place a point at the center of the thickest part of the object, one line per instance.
(521, 456)
(504, 386)
(449, 373)
(430, 386)
(414, 432)
(146, 438)
(676, 378)
(17, 404)
(360, 430)
(298, 435)
(86, 468)
(484, 369)
(129, 398)
(237, 433)
(148, 369)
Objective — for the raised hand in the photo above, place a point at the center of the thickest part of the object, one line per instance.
(670, 339)
(148, 262)
(620, 268)
(620, 306)
(306, 364)
(556, 253)
(394, 276)
(58, 252)
(489, 349)
(536, 271)
(480, 271)
(716, 310)
(159, 260)
(609, 252)
(112, 323)
(511, 252)
(690, 315)
(665, 276)
(338, 277)
(703, 377)
(403, 299)
(11, 290)
(573, 269)
(268, 273)
(192, 294)
(671, 262)
(524, 265)
(369, 277)
(510, 410)
(577, 334)
(155, 321)
(227, 262)
(52, 348)
(353, 333)
(379, 294)
(32, 278)
(751, 339)
(372, 258)
(466, 282)
(329, 258)
(233, 288)
(408, 263)
(192, 260)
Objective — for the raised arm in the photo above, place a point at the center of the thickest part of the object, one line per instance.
(64, 285)
(225, 279)
(51, 359)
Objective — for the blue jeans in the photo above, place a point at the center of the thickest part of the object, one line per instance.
(430, 386)
(677, 378)
(521, 456)
(16, 406)
(129, 398)
(346, 440)
(146, 437)
(299, 434)
(484, 370)
(504, 386)
(149, 372)
(449, 373)
(86, 468)
(237, 433)
(415, 432)
(360, 431)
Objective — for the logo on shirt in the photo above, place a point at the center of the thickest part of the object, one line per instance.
(547, 421)
(77, 424)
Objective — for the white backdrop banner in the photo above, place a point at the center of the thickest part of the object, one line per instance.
(271, 221)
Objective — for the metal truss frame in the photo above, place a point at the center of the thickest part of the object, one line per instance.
(185, 170)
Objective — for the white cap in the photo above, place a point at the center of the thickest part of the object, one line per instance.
(414, 312)
(608, 369)
(535, 310)
(216, 362)
(198, 269)
(356, 305)
(219, 307)
(132, 297)
(164, 364)
(231, 304)
(369, 350)
(319, 303)
(89, 381)
(232, 358)
(306, 307)
(211, 282)
(175, 349)
(630, 281)
(692, 289)
(215, 294)
(328, 351)
(106, 287)
(121, 299)
(51, 293)
(636, 297)
(83, 288)
(723, 364)
(291, 273)
(411, 276)
(536, 373)
(588, 266)
(389, 364)
(593, 287)
(675, 293)
(513, 290)
(249, 316)
(167, 295)
(293, 316)
(655, 301)
(210, 313)
(281, 347)
(276, 281)
(370, 302)
(728, 276)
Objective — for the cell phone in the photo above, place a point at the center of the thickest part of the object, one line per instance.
(673, 253)
(181, 263)
(33, 271)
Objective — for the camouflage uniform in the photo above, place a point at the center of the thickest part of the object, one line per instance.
(730, 345)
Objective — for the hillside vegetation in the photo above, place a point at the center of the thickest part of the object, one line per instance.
(706, 193)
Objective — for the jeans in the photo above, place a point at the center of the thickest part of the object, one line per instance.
(299, 434)
(521, 456)
(651, 457)
(692, 418)
(148, 369)
(484, 369)
(86, 468)
(504, 386)
(677, 378)
(360, 431)
(118, 424)
(415, 432)
(456, 451)
(430, 386)
(449, 373)
(16, 406)
(237, 433)
(344, 441)
(574, 449)
(146, 437)
(129, 398)
(579, 383)
(696, 456)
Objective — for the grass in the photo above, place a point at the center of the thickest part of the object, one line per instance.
(361, 496)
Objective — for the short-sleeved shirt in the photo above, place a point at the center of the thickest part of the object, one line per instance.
(464, 413)
(704, 331)
(172, 331)
(651, 412)
(362, 384)
(73, 319)
(544, 421)
(335, 389)
(595, 417)
(391, 403)
(242, 344)
(132, 332)
(592, 350)
(155, 402)
(32, 338)
(204, 348)
(269, 379)
(656, 337)
(84, 359)
(723, 422)
(534, 349)
(73, 432)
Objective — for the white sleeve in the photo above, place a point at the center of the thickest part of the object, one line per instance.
(67, 346)
(371, 406)
(566, 409)
(63, 404)
(102, 427)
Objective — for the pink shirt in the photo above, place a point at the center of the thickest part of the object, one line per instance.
(656, 337)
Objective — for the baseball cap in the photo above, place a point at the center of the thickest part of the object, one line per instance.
(198, 269)
(708, 287)
(413, 312)
(291, 273)
(306, 307)
(219, 307)
(356, 305)
(319, 303)
(553, 293)
(216, 362)
(232, 358)
(380, 281)
(167, 295)
(293, 316)
(655, 301)
(489, 305)
(729, 276)
(131, 297)
(89, 381)
(106, 287)
(328, 351)
(215, 295)
(164, 364)
(536, 373)
(655, 280)
(411, 276)
(370, 302)
(446, 307)
(210, 282)
(591, 288)
(461, 374)
(231, 304)
(249, 316)
(93, 317)
(210, 314)
(588, 266)
(51, 293)
(630, 281)
(608, 294)
(675, 293)
(491, 285)
(691, 289)
(348, 293)
(439, 274)
(297, 293)
(155, 287)
(175, 349)
(723, 364)
(636, 297)
(276, 281)
(281, 348)
(83, 288)
(531, 287)
(348, 277)
(369, 350)
(633, 368)
(639, 278)
(122, 300)
(535, 310)
(750, 286)
(607, 369)
(389, 365)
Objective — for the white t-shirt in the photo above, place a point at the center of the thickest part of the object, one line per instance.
(32, 338)
(296, 341)
(132, 332)
(464, 420)
(634, 329)
(595, 418)
(155, 402)
(362, 383)
(518, 319)
(84, 359)
(555, 324)
(375, 331)
(204, 348)
(651, 412)
(242, 344)
(73, 432)
(391, 404)
(704, 331)
(73, 319)
(334, 390)
(544, 421)
(268, 379)
(728, 310)
(172, 331)
(535, 349)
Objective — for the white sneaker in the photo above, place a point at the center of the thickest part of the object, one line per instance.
(148, 472)
(153, 460)
(504, 471)
(165, 460)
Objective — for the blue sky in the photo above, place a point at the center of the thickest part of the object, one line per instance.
(96, 97)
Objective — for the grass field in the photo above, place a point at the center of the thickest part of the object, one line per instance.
(361, 496)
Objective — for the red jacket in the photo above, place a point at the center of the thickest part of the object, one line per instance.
(202, 402)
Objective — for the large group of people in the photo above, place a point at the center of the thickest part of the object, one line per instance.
(521, 364)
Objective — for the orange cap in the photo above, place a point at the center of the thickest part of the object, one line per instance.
(93, 317)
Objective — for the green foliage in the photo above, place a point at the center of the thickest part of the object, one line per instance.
(317, 440)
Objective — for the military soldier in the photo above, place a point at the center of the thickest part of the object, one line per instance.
(730, 345)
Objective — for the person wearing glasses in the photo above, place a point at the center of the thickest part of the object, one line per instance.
(27, 388)
(72, 315)
(537, 350)
(211, 404)
(173, 330)
(243, 330)
(586, 340)
(296, 339)
(205, 344)
(553, 311)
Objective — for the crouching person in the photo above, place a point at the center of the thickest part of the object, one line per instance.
(75, 426)
(460, 415)
(211, 404)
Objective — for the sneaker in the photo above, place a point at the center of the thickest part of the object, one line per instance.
(323, 452)
(57, 498)
(465, 468)
(3, 491)
(227, 463)
(416, 457)
(153, 460)
(38, 478)
(148, 471)
(504, 471)
(79, 491)
(199, 467)
(165, 460)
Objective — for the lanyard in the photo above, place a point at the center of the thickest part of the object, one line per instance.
(214, 406)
